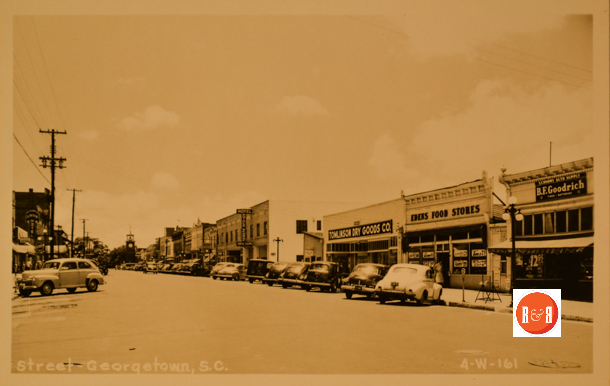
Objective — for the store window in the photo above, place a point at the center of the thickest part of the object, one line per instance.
(428, 256)
(528, 229)
(549, 223)
(586, 219)
(251, 231)
(258, 230)
(299, 257)
(478, 259)
(561, 223)
(538, 224)
(413, 256)
(265, 228)
(319, 225)
(573, 220)
(301, 226)
(460, 258)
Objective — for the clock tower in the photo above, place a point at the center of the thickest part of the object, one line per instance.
(130, 249)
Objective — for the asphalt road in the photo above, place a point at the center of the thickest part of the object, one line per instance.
(161, 324)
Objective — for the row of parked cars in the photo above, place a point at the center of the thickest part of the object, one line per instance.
(399, 282)
(191, 268)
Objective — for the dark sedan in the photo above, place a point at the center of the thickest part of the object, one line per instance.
(275, 272)
(257, 269)
(363, 279)
(293, 274)
(323, 275)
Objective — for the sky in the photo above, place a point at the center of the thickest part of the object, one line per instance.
(170, 119)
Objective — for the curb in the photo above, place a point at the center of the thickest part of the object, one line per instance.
(510, 311)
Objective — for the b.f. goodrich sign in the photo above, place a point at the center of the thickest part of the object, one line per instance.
(566, 185)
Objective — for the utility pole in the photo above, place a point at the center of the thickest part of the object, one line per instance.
(72, 232)
(277, 240)
(54, 163)
(84, 245)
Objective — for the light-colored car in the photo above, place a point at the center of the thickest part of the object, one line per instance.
(409, 282)
(70, 273)
(233, 271)
(217, 268)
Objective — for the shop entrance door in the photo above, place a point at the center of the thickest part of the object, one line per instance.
(443, 258)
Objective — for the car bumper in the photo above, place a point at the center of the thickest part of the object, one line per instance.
(358, 289)
(395, 294)
(255, 277)
(290, 281)
(316, 284)
(26, 285)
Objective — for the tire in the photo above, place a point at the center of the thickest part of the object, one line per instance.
(251, 281)
(348, 295)
(307, 288)
(284, 286)
(214, 277)
(25, 293)
(424, 297)
(92, 285)
(270, 284)
(381, 300)
(333, 288)
(46, 289)
(71, 290)
(235, 277)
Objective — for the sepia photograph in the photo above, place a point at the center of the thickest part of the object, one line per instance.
(393, 192)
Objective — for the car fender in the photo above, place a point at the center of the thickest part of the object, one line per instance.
(40, 279)
(437, 291)
(97, 276)
(417, 288)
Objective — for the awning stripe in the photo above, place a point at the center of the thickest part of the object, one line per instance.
(543, 246)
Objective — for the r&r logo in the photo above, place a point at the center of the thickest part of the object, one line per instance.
(537, 313)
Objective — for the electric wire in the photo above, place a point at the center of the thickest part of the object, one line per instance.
(33, 163)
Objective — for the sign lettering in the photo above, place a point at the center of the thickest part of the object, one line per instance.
(361, 230)
(556, 187)
(446, 213)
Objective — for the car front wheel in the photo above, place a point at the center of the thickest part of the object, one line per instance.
(92, 286)
(46, 289)
(348, 295)
(381, 299)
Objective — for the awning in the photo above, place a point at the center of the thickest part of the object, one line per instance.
(26, 248)
(572, 245)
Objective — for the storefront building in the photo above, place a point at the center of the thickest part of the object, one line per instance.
(554, 240)
(449, 229)
(364, 235)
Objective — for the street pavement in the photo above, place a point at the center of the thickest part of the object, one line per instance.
(167, 324)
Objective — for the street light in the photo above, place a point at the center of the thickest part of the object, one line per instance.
(277, 240)
(511, 213)
(45, 239)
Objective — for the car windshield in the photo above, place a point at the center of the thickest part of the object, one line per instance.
(366, 270)
(404, 271)
(296, 268)
(319, 267)
(51, 265)
(278, 267)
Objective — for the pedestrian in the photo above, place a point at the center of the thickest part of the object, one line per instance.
(438, 268)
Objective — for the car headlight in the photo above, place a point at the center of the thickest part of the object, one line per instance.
(267, 275)
(303, 277)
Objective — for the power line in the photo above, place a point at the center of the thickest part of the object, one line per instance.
(48, 77)
(33, 163)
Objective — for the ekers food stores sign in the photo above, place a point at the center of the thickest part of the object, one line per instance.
(565, 185)
(377, 228)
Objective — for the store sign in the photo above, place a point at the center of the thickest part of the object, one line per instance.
(479, 263)
(566, 185)
(479, 252)
(460, 253)
(444, 212)
(361, 230)
(413, 255)
(460, 263)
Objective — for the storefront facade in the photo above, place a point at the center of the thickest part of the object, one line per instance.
(449, 229)
(364, 235)
(554, 241)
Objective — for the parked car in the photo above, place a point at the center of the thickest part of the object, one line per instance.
(217, 268)
(409, 282)
(363, 279)
(275, 271)
(324, 275)
(198, 269)
(233, 271)
(291, 276)
(68, 273)
(257, 269)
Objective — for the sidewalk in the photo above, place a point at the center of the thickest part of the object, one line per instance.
(570, 310)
